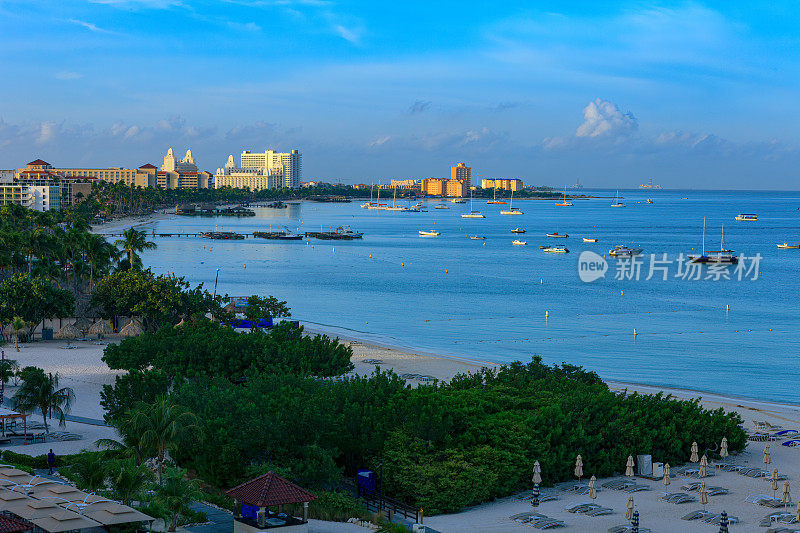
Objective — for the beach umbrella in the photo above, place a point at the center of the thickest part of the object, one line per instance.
(593, 487)
(629, 508)
(723, 522)
(703, 494)
(723, 447)
(786, 498)
(797, 512)
(774, 479)
(767, 458)
(133, 329)
(666, 474)
(579, 467)
(537, 473)
(68, 332)
(703, 466)
(101, 327)
(694, 457)
(629, 466)
(535, 497)
(635, 522)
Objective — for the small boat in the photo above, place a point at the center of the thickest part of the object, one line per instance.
(624, 251)
(564, 203)
(512, 210)
(555, 250)
(494, 200)
(557, 235)
(722, 257)
(458, 201)
(478, 237)
(442, 206)
(472, 213)
(431, 233)
(787, 246)
(518, 230)
(585, 239)
(517, 242)
(649, 200)
(617, 203)
(746, 217)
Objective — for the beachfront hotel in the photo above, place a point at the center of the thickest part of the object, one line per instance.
(505, 184)
(463, 173)
(182, 174)
(263, 170)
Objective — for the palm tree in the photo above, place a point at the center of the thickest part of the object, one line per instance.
(132, 242)
(128, 479)
(7, 371)
(18, 325)
(90, 471)
(98, 253)
(160, 427)
(174, 497)
(40, 391)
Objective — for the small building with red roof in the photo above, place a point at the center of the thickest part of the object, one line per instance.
(259, 504)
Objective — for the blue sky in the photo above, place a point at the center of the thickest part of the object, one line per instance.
(691, 94)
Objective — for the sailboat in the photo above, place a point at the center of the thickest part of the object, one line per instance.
(368, 204)
(722, 257)
(511, 209)
(617, 203)
(565, 203)
(472, 213)
(394, 202)
(494, 200)
(377, 204)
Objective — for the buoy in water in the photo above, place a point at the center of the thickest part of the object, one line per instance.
(634, 332)
(547, 314)
(620, 293)
(727, 308)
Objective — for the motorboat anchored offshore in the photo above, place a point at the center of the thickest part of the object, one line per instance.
(517, 242)
(624, 251)
(557, 235)
(746, 217)
(555, 250)
(431, 233)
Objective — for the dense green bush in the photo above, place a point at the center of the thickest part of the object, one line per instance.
(443, 447)
(336, 506)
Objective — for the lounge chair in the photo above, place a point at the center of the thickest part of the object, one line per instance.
(782, 517)
(677, 498)
(582, 507)
(717, 518)
(546, 523)
(577, 488)
(627, 529)
(523, 518)
(782, 529)
(694, 515)
(764, 501)
(792, 443)
(636, 488)
(600, 511)
(787, 433)
(762, 437)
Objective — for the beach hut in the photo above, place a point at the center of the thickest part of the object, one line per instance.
(68, 332)
(629, 466)
(133, 329)
(82, 324)
(253, 499)
(666, 474)
(101, 327)
(694, 457)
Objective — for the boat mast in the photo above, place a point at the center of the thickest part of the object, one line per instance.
(704, 235)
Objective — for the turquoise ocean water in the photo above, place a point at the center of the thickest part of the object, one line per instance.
(488, 300)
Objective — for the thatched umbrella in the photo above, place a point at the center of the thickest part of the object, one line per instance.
(133, 329)
(101, 327)
(723, 448)
(767, 457)
(703, 466)
(68, 332)
(723, 522)
(694, 457)
(774, 479)
(666, 474)
(593, 487)
(82, 323)
(629, 508)
(797, 512)
(786, 498)
(579, 467)
(629, 466)
(537, 473)
(703, 494)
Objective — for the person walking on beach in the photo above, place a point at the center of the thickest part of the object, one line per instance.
(51, 460)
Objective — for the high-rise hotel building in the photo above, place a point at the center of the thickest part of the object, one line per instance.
(262, 170)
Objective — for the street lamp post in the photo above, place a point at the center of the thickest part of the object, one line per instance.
(216, 279)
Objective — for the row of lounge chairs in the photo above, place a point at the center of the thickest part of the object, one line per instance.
(750, 472)
(677, 497)
(373, 361)
(781, 529)
(625, 528)
(65, 436)
(792, 443)
(709, 517)
(590, 509)
(779, 517)
(694, 486)
(625, 485)
(543, 496)
(537, 520)
(419, 377)
(765, 501)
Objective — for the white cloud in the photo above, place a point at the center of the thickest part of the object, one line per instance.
(352, 35)
(602, 118)
(67, 76)
(90, 26)
(380, 141)
(136, 4)
(47, 132)
(244, 26)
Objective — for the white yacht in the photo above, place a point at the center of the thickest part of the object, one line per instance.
(511, 209)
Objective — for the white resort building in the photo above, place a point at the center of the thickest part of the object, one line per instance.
(263, 170)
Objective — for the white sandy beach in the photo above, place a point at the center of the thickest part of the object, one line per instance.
(83, 370)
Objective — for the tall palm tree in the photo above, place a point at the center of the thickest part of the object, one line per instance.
(18, 325)
(175, 496)
(132, 242)
(40, 391)
(161, 427)
(99, 254)
(128, 479)
(7, 371)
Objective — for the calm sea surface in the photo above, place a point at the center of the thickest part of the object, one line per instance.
(488, 300)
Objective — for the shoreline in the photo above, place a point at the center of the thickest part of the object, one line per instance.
(121, 224)
(453, 365)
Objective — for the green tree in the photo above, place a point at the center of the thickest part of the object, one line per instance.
(33, 299)
(8, 368)
(265, 307)
(40, 391)
(132, 242)
(89, 469)
(175, 496)
(18, 324)
(128, 479)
